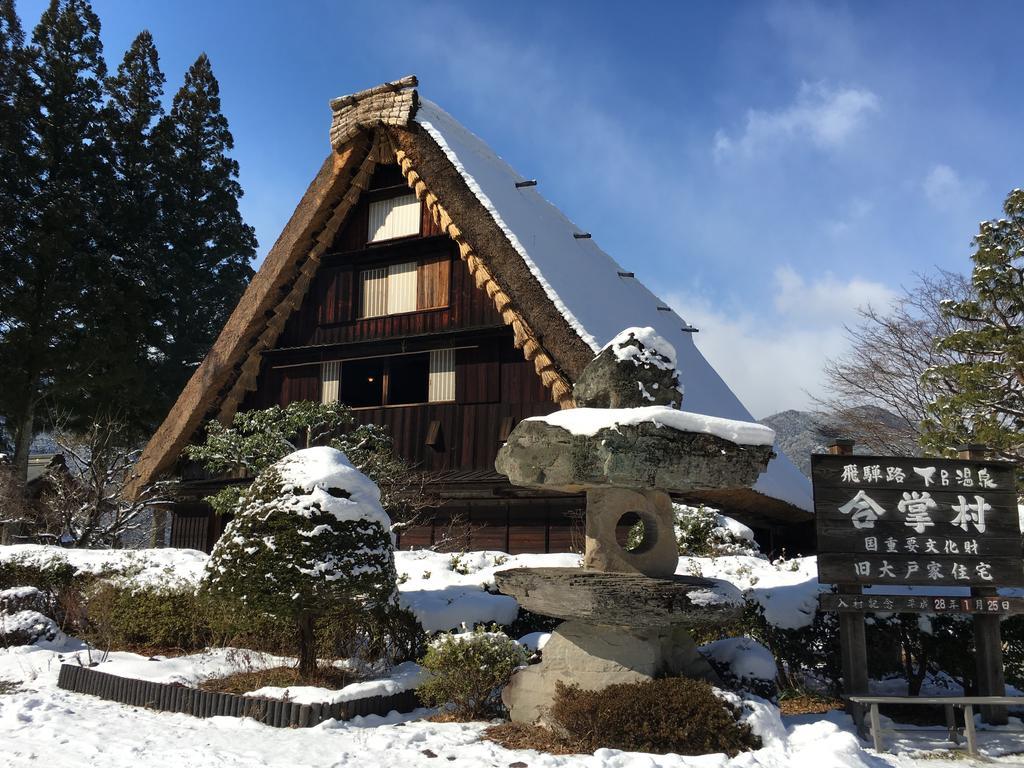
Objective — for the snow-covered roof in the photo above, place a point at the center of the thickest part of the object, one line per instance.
(588, 286)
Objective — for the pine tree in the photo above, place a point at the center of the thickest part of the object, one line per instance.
(124, 374)
(209, 246)
(986, 404)
(53, 277)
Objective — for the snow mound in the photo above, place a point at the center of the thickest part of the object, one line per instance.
(744, 657)
(589, 421)
(26, 628)
(403, 677)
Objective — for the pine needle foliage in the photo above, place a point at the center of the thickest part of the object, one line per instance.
(985, 403)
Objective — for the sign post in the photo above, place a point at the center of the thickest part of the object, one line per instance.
(921, 522)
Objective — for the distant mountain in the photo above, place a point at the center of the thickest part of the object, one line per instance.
(801, 433)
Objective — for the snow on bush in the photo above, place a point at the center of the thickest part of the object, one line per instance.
(704, 532)
(309, 534)
(468, 670)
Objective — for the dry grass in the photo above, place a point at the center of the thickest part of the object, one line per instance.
(277, 677)
(807, 704)
(8, 686)
(518, 736)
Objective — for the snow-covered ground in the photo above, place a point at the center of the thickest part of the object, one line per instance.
(43, 725)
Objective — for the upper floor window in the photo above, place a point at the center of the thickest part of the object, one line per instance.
(394, 217)
(404, 287)
(426, 377)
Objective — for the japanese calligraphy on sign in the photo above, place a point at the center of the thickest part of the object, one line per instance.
(938, 604)
(937, 522)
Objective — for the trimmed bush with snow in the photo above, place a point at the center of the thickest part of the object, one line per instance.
(308, 535)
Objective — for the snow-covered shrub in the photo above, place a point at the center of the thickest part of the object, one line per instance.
(744, 665)
(672, 714)
(468, 671)
(309, 536)
(59, 583)
(704, 532)
(26, 628)
(17, 599)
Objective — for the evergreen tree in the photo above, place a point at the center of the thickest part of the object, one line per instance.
(209, 247)
(49, 281)
(124, 371)
(986, 403)
(308, 537)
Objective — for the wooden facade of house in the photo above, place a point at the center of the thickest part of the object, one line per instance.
(337, 345)
(446, 303)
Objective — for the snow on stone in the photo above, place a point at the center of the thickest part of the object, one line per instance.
(589, 421)
(654, 350)
(719, 593)
(744, 657)
(319, 470)
(584, 283)
(535, 641)
(27, 624)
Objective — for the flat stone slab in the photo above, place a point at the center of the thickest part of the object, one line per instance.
(636, 456)
(621, 599)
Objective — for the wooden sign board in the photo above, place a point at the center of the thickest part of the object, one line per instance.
(936, 522)
(937, 604)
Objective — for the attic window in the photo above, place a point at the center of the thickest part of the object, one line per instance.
(394, 217)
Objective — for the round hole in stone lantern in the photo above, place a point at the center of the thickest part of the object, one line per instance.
(634, 533)
(657, 554)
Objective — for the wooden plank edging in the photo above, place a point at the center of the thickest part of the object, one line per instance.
(174, 697)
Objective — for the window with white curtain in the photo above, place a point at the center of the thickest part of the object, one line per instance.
(394, 217)
(401, 288)
(388, 290)
(330, 381)
(441, 379)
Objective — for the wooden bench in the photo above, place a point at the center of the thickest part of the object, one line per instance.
(949, 702)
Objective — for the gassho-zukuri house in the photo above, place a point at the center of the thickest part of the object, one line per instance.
(425, 283)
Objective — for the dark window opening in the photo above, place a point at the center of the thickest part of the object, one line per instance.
(362, 382)
(407, 379)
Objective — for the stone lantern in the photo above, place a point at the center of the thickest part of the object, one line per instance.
(627, 446)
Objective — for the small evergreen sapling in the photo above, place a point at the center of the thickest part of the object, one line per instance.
(307, 536)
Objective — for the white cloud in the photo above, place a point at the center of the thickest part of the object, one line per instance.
(826, 298)
(773, 360)
(824, 116)
(947, 191)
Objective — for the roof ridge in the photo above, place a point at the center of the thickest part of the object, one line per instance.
(392, 103)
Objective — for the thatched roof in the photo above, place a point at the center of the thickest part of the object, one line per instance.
(561, 294)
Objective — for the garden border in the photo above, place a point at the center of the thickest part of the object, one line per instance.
(175, 697)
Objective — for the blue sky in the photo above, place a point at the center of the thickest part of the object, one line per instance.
(765, 167)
